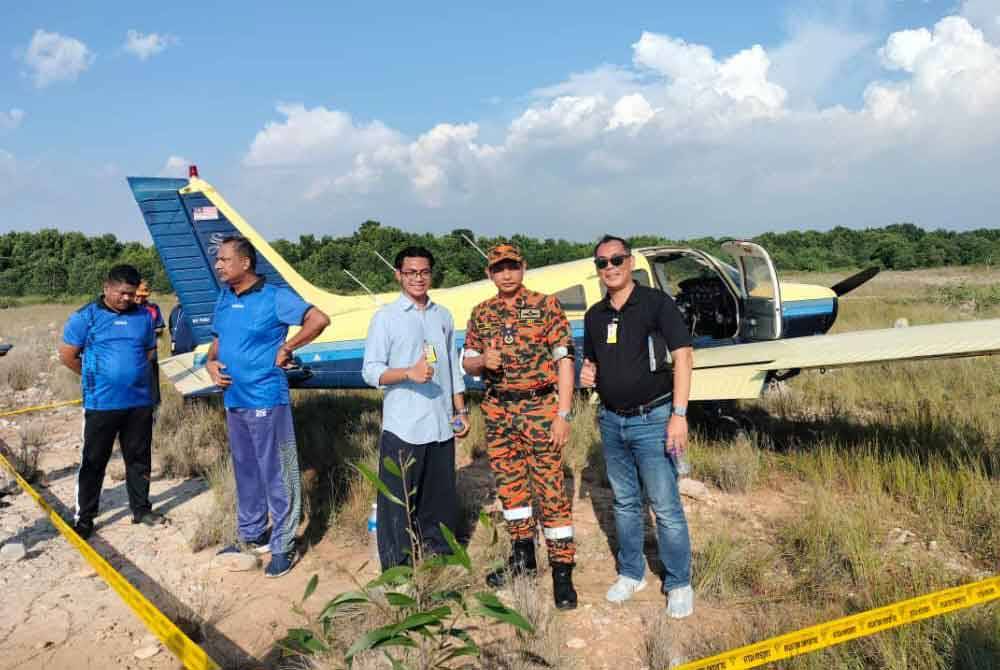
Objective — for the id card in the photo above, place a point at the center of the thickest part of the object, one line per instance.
(613, 332)
(429, 353)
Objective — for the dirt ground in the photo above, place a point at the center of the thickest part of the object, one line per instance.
(59, 614)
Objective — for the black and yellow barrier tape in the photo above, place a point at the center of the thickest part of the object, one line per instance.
(851, 627)
(173, 638)
(39, 408)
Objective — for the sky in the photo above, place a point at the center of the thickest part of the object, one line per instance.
(554, 119)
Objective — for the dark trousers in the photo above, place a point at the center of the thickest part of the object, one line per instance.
(134, 430)
(435, 501)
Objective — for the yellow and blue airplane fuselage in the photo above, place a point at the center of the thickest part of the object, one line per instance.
(187, 219)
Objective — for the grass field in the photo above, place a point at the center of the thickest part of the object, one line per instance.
(873, 484)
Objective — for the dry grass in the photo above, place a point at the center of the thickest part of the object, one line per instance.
(727, 566)
(190, 436)
(25, 456)
(657, 642)
(732, 465)
(218, 524)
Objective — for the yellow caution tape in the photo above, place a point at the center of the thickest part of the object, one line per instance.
(39, 408)
(851, 627)
(173, 638)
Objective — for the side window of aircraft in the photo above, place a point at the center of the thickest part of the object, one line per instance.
(758, 277)
(641, 277)
(573, 299)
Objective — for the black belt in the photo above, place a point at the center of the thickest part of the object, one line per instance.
(527, 394)
(642, 409)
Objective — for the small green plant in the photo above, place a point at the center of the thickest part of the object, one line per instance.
(425, 619)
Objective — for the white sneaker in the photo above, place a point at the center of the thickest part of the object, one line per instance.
(624, 588)
(680, 602)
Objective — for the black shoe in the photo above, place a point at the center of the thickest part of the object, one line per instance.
(521, 562)
(150, 519)
(562, 586)
(84, 529)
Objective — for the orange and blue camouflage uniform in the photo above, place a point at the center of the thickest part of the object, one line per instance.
(532, 334)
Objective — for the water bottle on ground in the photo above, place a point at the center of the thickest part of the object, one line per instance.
(373, 533)
(681, 463)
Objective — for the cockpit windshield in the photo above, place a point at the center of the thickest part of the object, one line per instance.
(702, 295)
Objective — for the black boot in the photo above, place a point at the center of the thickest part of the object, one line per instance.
(521, 562)
(562, 586)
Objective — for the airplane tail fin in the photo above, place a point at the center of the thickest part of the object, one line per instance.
(187, 219)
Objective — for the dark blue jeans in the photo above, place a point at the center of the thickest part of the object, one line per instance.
(637, 463)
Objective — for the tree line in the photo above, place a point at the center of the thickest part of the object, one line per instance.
(52, 263)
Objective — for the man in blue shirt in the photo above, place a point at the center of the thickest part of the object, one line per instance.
(246, 360)
(410, 353)
(110, 343)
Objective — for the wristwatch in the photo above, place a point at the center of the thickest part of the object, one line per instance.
(681, 411)
(566, 416)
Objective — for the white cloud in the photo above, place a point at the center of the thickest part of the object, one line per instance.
(145, 46)
(681, 142)
(695, 76)
(985, 15)
(955, 73)
(631, 111)
(175, 166)
(52, 57)
(12, 119)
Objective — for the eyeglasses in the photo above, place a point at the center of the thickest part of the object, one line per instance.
(601, 262)
(416, 274)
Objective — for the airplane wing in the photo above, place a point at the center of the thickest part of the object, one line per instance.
(739, 371)
(187, 376)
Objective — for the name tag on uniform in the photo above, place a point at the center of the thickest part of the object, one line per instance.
(613, 332)
(526, 314)
(429, 353)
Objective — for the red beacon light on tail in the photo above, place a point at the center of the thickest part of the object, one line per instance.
(192, 171)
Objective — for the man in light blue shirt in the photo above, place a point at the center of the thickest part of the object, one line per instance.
(410, 353)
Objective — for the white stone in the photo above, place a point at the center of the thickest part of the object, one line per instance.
(142, 653)
(901, 322)
(13, 552)
(693, 489)
(236, 562)
(576, 643)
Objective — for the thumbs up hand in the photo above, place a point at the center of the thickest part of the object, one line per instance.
(421, 372)
(588, 373)
(492, 358)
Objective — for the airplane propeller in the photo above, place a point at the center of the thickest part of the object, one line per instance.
(854, 281)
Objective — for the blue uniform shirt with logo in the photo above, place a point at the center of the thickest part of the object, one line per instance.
(251, 327)
(116, 371)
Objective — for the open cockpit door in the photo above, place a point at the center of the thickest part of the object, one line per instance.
(761, 318)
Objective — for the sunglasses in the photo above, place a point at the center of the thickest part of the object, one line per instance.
(601, 262)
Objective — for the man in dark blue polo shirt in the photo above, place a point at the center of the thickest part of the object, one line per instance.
(246, 360)
(110, 343)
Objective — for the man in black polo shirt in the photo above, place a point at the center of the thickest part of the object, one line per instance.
(642, 419)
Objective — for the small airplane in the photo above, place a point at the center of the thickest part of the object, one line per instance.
(749, 328)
